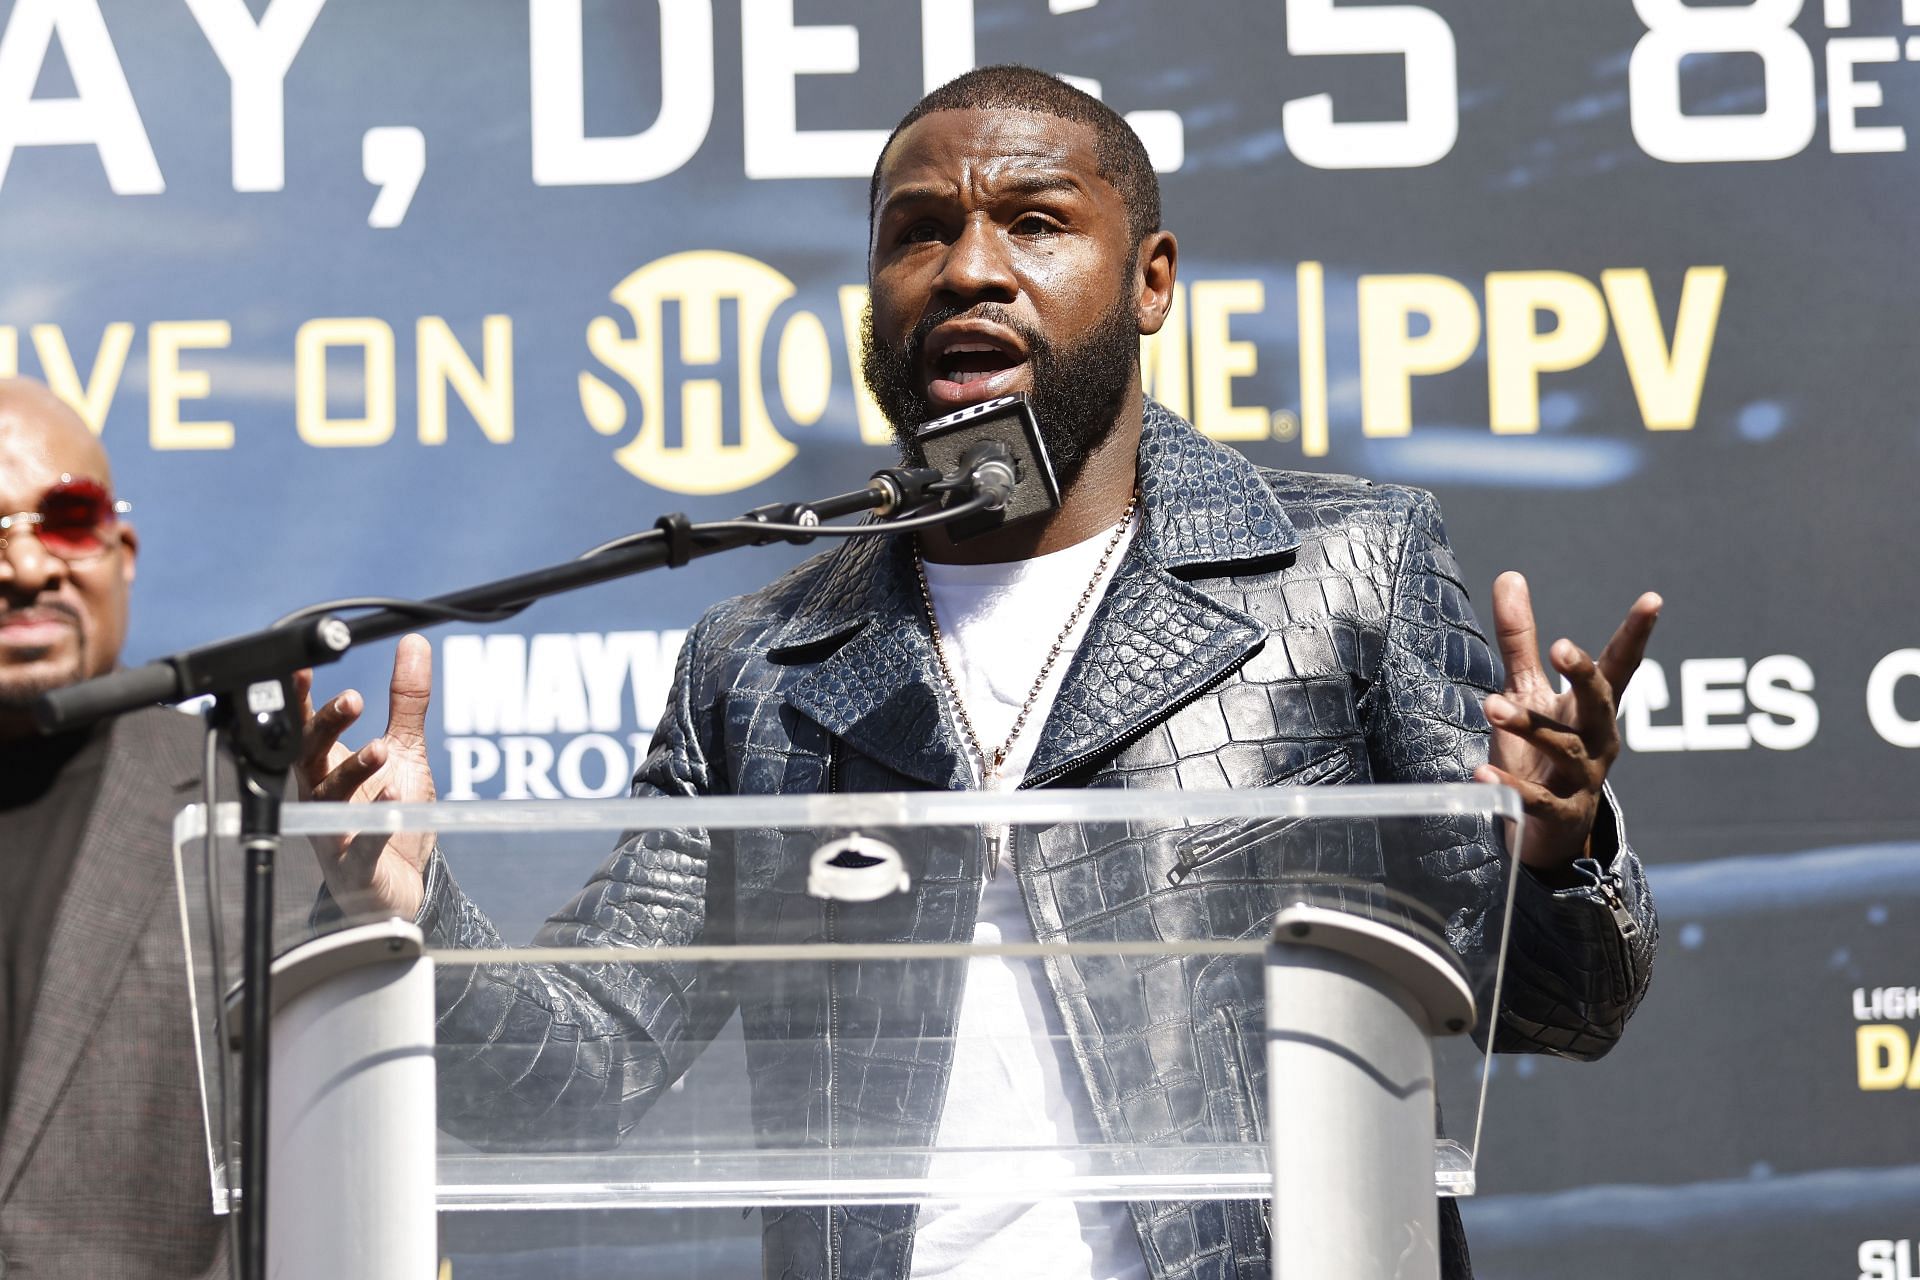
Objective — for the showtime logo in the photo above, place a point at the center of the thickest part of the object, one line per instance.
(554, 715)
(718, 353)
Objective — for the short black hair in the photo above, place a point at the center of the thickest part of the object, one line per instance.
(1011, 87)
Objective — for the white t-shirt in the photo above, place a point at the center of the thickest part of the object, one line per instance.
(1010, 1086)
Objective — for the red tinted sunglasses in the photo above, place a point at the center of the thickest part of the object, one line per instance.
(77, 519)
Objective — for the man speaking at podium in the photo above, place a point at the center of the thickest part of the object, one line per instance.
(1185, 619)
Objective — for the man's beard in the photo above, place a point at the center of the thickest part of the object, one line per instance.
(1077, 391)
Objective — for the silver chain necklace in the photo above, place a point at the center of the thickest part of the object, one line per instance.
(992, 763)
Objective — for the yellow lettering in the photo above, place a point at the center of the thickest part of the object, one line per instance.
(9, 351)
(1163, 358)
(91, 399)
(874, 427)
(1310, 300)
(1666, 382)
(441, 362)
(1883, 1056)
(1518, 352)
(168, 384)
(310, 376)
(1391, 357)
(806, 373)
(1218, 359)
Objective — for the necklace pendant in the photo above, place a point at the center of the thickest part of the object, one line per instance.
(993, 853)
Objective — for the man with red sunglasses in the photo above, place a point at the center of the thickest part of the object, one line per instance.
(103, 1165)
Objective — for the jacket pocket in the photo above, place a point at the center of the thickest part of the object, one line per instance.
(1213, 842)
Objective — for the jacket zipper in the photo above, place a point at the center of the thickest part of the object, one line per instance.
(1134, 734)
(1241, 836)
(1610, 894)
(1256, 1213)
(1225, 1017)
(1629, 928)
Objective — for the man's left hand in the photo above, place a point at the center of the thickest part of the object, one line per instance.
(1555, 748)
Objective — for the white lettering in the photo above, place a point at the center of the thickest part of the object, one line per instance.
(604, 664)
(575, 687)
(486, 684)
(101, 113)
(1645, 694)
(1886, 1004)
(1420, 36)
(1785, 718)
(946, 41)
(474, 760)
(256, 58)
(556, 699)
(529, 761)
(1709, 687)
(563, 154)
(774, 54)
(1846, 95)
(1881, 708)
(1779, 688)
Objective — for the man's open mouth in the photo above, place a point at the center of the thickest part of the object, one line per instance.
(966, 367)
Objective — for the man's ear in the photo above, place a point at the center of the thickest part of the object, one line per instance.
(129, 551)
(1155, 264)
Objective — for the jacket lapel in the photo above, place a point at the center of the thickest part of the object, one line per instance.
(1155, 641)
(1154, 644)
(120, 871)
(879, 691)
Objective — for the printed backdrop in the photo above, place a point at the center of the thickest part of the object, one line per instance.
(373, 298)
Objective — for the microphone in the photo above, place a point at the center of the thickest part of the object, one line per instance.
(209, 669)
(992, 448)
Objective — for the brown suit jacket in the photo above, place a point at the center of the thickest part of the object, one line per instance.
(103, 1159)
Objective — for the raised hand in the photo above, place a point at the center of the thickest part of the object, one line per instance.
(373, 873)
(1555, 748)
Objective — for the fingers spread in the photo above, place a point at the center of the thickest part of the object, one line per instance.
(1565, 749)
(320, 751)
(410, 692)
(353, 772)
(1593, 698)
(1621, 658)
(1514, 630)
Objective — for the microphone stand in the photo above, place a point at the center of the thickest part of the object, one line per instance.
(251, 680)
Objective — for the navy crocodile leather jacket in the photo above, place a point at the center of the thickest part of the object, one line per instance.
(1264, 629)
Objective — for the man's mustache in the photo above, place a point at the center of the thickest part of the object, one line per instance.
(61, 607)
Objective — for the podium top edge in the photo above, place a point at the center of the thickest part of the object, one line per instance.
(882, 809)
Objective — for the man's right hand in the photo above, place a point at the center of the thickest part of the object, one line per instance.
(373, 874)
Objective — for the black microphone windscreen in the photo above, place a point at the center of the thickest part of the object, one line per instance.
(1009, 422)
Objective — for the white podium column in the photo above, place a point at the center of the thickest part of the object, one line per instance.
(1351, 1009)
(351, 1165)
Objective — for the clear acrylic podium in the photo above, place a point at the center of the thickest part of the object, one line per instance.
(1264, 1008)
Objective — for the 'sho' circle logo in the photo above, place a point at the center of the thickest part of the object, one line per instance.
(708, 383)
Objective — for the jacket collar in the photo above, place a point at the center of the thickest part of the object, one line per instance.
(1206, 511)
